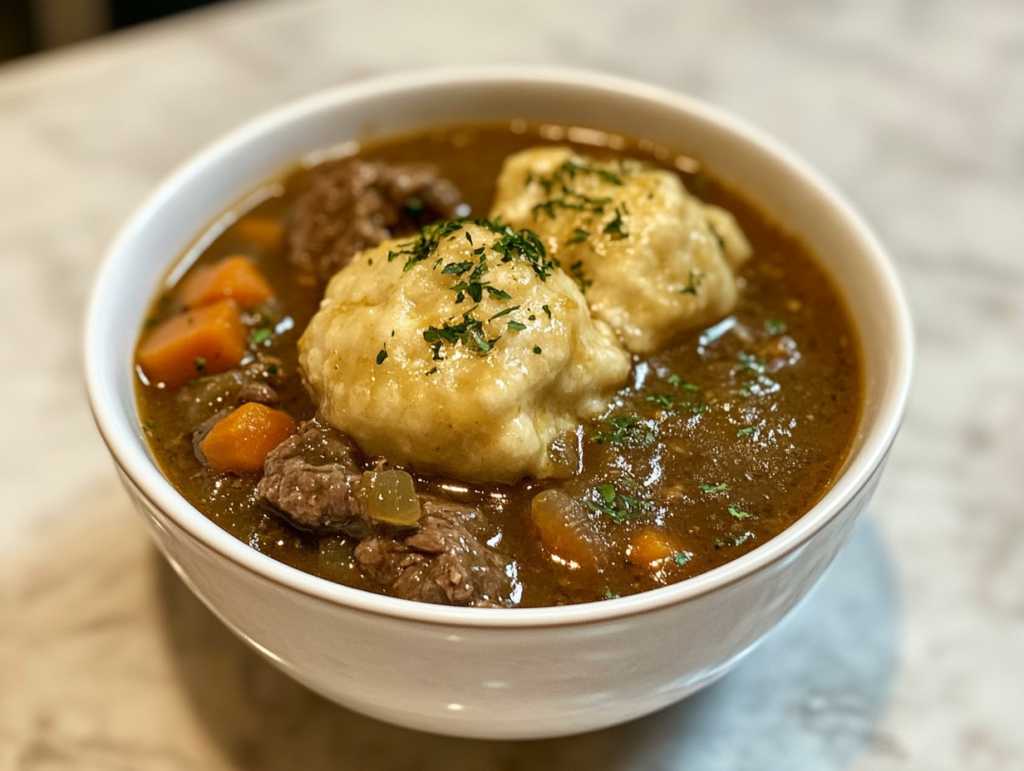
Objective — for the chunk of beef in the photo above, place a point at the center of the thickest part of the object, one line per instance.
(443, 562)
(354, 204)
(259, 392)
(254, 382)
(313, 479)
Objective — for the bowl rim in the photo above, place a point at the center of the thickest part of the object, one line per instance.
(146, 477)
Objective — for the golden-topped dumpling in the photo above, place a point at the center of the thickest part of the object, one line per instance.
(464, 351)
(651, 259)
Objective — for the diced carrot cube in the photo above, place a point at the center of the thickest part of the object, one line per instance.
(239, 442)
(262, 231)
(198, 342)
(233, 278)
(652, 546)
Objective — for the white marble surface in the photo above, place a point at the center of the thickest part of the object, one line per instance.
(912, 654)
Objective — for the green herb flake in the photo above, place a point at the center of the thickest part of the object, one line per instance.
(626, 429)
(517, 326)
(576, 271)
(546, 310)
(620, 507)
(260, 336)
(457, 268)
(609, 594)
(721, 487)
(696, 279)
(537, 349)
(746, 431)
(148, 425)
(505, 312)
(685, 397)
(468, 333)
(682, 557)
(272, 369)
(775, 326)
(200, 364)
(617, 227)
(431, 371)
(382, 355)
(739, 513)
(423, 247)
(578, 235)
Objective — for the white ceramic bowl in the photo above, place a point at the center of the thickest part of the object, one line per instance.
(497, 673)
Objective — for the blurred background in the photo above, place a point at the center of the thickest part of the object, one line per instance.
(27, 26)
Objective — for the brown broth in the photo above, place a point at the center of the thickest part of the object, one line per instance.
(775, 439)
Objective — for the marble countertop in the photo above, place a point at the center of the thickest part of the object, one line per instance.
(910, 655)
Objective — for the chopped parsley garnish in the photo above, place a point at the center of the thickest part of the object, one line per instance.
(571, 201)
(424, 246)
(505, 312)
(469, 333)
(272, 369)
(578, 235)
(721, 487)
(720, 543)
(739, 513)
(625, 429)
(517, 326)
(261, 335)
(537, 349)
(685, 397)
(696, 279)
(149, 426)
(457, 268)
(568, 171)
(200, 364)
(774, 326)
(431, 371)
(546, 310)
(414, 207)
(576, 271)
(609, 594)
(520, 244)
(617, 227)
(682, 557)
(383, 354)
(606, 499)
(746, 431)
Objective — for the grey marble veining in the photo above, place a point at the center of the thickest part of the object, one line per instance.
(909, 657)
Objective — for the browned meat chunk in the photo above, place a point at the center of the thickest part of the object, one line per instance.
(218, 391)
(443, 562)
(313, 480)
(258, 391)
(354, 204)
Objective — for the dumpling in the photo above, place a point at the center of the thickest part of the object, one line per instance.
(464, 351)
(651, 259)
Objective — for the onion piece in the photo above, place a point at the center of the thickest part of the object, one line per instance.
(390, 496)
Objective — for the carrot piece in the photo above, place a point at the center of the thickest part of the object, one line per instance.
(199, 342)
(651, 546)
(239, 442)
(262, 231)
(232, 278)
